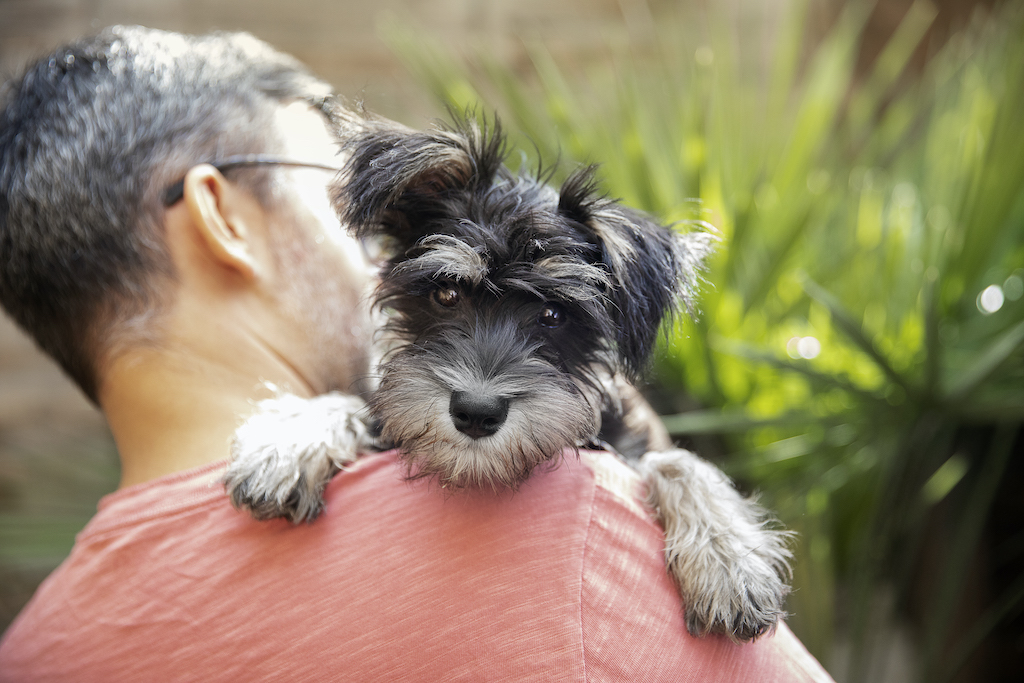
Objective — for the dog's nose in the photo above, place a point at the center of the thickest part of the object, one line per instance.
(477, 415)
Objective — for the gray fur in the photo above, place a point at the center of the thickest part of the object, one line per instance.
(577, 281)
(449, 258)
(548, 410)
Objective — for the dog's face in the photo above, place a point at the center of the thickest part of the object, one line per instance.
(511, 301)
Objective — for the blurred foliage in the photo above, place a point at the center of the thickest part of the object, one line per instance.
(859, 348)
(50, 481)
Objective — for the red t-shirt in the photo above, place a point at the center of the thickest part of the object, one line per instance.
(397, 580)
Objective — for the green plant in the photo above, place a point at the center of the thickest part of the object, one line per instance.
(860, 346)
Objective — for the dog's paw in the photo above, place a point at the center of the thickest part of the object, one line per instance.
(283, 456)
(731, 570)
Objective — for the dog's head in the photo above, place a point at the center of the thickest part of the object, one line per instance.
(511, 298)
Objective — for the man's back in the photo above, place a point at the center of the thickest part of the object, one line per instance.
(563, 579)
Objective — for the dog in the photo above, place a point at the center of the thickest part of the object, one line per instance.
(518, 315)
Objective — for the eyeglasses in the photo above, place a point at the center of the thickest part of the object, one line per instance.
(174, 193)
(377, 249)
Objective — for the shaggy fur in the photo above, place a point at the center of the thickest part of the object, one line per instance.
(298, 445)
(517, 314)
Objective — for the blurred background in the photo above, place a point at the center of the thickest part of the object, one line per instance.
(858, 359)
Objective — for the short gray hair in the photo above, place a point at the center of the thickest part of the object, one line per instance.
(89, 136)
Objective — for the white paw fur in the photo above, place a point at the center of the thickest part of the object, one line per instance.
(731, 570)
(283, 456)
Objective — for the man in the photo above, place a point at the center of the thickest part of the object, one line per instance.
(166, 236)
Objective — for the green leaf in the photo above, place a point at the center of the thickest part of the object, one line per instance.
(855, 333)
(719, 422)
(987, 362)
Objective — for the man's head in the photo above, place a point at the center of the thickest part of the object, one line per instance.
(90, 137)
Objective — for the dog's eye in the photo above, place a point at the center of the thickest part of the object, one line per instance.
(446, 295)
(551, 315)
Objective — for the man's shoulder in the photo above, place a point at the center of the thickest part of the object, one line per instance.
(458, 582)
(563, 575)
(632, 618)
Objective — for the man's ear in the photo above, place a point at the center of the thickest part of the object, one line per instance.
(223, 218)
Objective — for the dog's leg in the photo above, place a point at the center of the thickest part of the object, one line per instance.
(628, 422)
(284, 455)
(730, 569)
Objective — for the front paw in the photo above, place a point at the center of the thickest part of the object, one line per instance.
(284, 455)
(731, 571)
(743, 601)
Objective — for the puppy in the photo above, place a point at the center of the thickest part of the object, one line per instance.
(517, 315)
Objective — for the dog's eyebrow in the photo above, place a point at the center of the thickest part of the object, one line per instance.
(448, 257)
(573, 279)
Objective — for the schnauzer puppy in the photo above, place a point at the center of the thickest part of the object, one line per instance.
(518, 313)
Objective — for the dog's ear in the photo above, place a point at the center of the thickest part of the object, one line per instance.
(397, 179)
(653, 268)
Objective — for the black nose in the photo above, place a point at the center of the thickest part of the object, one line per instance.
(477, 415)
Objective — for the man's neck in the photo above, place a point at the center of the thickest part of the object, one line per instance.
(172, 412)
